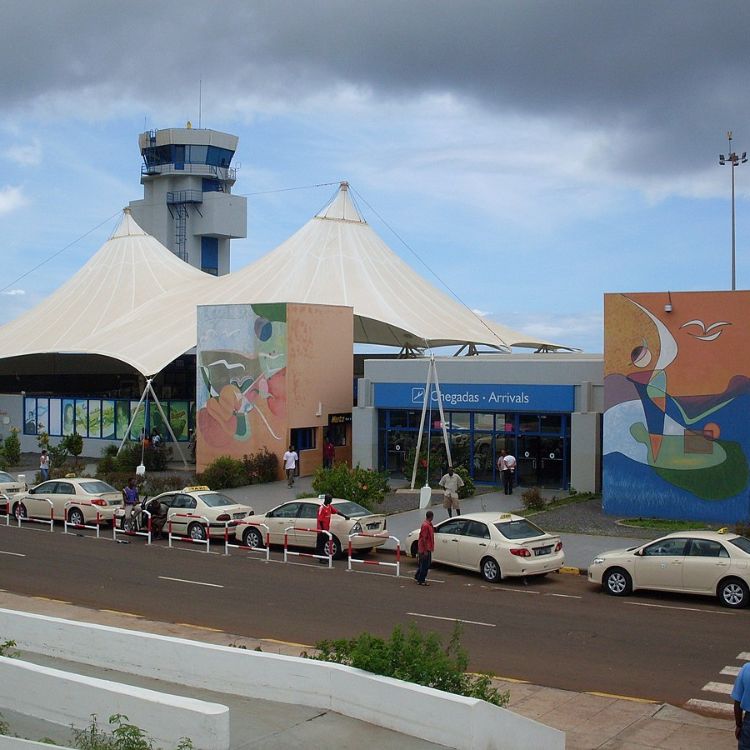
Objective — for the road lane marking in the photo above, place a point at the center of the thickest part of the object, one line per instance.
(197, 583)
(286, 643)
(681, 609)
(14, 554)
(744, 656)
(566, 596)
(731, 671)
(120, 612)
(200, 627)
(713, 706)
(718, 687)
(620, 697)
(50, 599)
(453, 619)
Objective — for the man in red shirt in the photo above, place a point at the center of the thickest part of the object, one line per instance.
(325, 511)
(425, 548)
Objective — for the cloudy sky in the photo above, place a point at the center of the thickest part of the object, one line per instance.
(532, 155)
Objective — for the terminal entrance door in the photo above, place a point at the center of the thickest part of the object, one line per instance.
(540, 461)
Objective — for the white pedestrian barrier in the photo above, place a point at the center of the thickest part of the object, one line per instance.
(396, 565)
(131, 532)
(21, 513)
(78, 504)
(5, 508)
(329, 545)
(266, 534)
(200, 520)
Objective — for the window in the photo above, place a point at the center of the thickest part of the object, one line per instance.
(65, 488)
(666, 548)
(706, 548)
(210, 255)
(742, 542)
(477, 529)
(303, 438)
(454, 526)
(521, 529)
(308, 510)
(337, 434)
(287, 510)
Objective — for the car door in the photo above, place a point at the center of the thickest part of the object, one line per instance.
(307, 518)
(279, 519)
(473, 545)
(181, 505)
(65, 491)
(36, 501)
(660, 565)
(448, 536)
(706, 563)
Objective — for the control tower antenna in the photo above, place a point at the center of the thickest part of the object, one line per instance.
(200, 102)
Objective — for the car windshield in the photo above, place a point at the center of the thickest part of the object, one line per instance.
(353, 510)
(742, 542)
(5, 477)
(521, 529)
(216, 499)
(95, 487)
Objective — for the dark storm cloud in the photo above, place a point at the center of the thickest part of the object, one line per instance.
(666, 78)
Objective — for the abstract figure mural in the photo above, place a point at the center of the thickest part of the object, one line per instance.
(241, 364)
(677, 400)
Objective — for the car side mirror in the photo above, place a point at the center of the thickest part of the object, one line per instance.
(32, 491)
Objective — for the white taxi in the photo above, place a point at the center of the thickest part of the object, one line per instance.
(8, 488)
(499, 546)
(713, 563)
(303, 516)
(187, 508)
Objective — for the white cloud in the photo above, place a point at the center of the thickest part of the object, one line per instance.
(29, 155)
(481, 313)
(14, 292)
(11, 199)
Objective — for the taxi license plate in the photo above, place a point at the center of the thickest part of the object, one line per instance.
(542, 551)
(238, 515)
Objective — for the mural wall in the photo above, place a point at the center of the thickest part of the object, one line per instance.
(677, 405)
(241, 364)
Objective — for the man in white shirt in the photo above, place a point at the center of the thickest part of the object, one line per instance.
(290, 465)
(506, 465)
(451, 484)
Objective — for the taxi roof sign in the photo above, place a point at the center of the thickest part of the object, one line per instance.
(196, 488)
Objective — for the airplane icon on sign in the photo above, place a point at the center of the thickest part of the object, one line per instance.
(417, 395)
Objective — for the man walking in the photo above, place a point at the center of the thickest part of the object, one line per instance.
(506, 465)
(290, 465)
(425, 548)
(325, 511)
(44, 465)
(451, 484)
(741, 697)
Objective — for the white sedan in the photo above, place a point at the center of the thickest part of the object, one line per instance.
(496, 545)
(713, 563)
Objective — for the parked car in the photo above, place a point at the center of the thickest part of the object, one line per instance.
(713, 563)
(88, 497)
(303, 514)
(182, 507)
(8, 488)
(496, 545)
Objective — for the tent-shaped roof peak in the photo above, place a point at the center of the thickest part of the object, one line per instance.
(342, 207)
(127, 227)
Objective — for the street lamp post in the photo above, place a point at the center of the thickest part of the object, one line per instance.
(734, 160)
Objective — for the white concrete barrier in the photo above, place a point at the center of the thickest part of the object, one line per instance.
(16, 743)
(433, 715)
(66, 698)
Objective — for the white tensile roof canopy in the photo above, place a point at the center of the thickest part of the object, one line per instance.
(136, 301)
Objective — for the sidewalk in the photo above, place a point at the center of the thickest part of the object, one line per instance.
(590, 721)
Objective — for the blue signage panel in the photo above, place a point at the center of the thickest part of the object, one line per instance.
(478, 397)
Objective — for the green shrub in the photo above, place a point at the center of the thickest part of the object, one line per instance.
(156, 485)
(532, 499)
(223, 473)
(122, 736)
(414, 657)
(363, 486)
(154, 459)
(74, 446)
(7, 648)
(12, 448)
(261, 467)
(438, 460)
(468, 489)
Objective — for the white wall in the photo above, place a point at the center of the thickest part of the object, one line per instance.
(410, 709)
(68, 698)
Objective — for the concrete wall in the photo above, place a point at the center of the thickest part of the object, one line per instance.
(15, 743)
(417, 711)
(70, 699)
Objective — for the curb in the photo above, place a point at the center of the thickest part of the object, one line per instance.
(570, 570)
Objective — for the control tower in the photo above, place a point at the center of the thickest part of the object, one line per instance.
(187, 203)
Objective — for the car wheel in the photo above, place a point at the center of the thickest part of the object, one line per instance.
(414, 549)
(333, 548)
(253, 538)
(733, 593)
(19, 511)
(197, 531)
(490, 570)
(618, 582)
(75, 516)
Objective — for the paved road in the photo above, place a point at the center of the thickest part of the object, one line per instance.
(559, 631)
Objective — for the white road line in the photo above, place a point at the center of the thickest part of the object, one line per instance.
(14, 554)
(718, 687)
(744, 655)
(731, 671)
(565, 596)
(681, 609)
(197, 583)
(516, 591)
(713, 706)
(452, 619)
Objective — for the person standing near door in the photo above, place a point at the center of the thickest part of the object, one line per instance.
(290, 465)
(506, 465)
(425, 548)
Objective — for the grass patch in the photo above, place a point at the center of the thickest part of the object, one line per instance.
(667, 525)
(561, 502)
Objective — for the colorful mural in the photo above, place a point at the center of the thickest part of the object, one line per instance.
(677, 399)
(241, 373)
